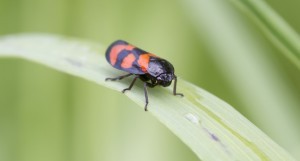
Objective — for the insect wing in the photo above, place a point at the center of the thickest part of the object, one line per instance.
(124, 56)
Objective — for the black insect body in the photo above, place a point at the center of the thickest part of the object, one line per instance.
(149, 68)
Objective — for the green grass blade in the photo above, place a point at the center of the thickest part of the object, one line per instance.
(210, 127)
(244, 59)
(274, 26)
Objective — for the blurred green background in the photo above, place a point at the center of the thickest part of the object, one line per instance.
(46, 115)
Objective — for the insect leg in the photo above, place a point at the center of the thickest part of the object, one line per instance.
(146, 84)
(151, 85)
(175, 85)
(146, 95)
(118, 78)
(132, 83)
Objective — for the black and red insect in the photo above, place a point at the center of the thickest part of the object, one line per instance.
(149, 68)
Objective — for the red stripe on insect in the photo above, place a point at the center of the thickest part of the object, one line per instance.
(116, 50)
(127, 61)
(144, 61)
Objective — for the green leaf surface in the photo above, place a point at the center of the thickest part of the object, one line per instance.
(210, 127)
(249, 67)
